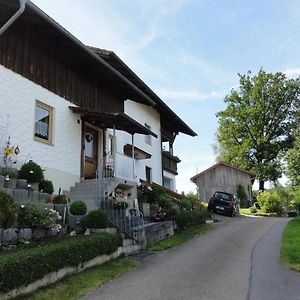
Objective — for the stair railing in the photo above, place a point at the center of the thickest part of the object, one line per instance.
(129, 221)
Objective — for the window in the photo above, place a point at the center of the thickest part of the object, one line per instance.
(43, 123)
(148, 136)
(148, 174)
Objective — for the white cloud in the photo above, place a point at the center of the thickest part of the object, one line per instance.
(189, 96)
(292, 72)
(216, 74)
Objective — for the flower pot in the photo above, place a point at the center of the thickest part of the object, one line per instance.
(21, 183)
(75, 222)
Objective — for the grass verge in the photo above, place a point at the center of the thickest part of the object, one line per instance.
(180, 237)
(75, 286)
(260, 213)
(290, 245)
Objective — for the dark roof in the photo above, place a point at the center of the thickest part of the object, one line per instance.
(169, 118)
(43, 23)
(119, 121)
(219, 164)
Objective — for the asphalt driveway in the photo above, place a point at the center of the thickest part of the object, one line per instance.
(236, 260)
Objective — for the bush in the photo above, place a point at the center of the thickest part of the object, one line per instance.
(27, 265)
(165, 201)
(270, 202)
(186, 219)
(185, 204)
(36, 215)
(46, 186)
(253, 210)
(8, 210)
(96, 219)
(78, 208)
(32, 172)
(296, 199)
(120, 205)
(60, 199)
(241, 195)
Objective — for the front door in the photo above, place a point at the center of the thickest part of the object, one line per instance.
(90, 152)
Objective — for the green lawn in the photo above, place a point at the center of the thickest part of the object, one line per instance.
(180, 237)
(80, 284)
(290, 245)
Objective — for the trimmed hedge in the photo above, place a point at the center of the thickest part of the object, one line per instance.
(31, 172)
(30, 264)
(186, 219)
(78, 208)
(96, 219)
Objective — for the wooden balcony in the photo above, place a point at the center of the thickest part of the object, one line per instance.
(170, 162)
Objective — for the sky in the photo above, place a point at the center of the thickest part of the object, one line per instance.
(189, 52)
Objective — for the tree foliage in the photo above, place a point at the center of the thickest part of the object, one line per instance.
(258, 123)
(293, 162)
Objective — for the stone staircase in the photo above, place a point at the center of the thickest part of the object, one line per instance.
(86, 190)
(130, 247)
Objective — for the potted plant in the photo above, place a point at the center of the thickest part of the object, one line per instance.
(60, 204)
(97, 221)
(77, 213)
(33, 173)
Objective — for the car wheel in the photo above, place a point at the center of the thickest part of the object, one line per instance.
(232, 213)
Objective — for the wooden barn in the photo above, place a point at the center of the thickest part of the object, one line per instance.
(222, 177)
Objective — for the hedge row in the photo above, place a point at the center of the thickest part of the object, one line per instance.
(30, 264)
(186, 219)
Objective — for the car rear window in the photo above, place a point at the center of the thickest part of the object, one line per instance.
(223, 196)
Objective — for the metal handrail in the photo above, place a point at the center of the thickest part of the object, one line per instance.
(129, 221)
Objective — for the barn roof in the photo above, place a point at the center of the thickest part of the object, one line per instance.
(194, 178)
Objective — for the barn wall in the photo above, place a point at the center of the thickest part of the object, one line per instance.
(222, 178)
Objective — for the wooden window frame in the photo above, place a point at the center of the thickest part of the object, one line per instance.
(50, 109)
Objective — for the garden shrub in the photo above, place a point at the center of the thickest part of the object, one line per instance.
(60, 199)
(32, 172)
(185, 204)
(241, 195)
(270, 202)
(96, 219)
(78, 208)
(186, 219)
(296, 199)
(253, 210)
(46, 186)
(30, 264)
(8, 210)
(120, 204)
(36, 215)
(171, 213)
(165, 201)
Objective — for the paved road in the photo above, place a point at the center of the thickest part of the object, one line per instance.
(235, 261)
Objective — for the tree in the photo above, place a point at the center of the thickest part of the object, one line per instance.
(258, 123)
(293, 162)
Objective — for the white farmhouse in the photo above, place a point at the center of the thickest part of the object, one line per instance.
(80, 112)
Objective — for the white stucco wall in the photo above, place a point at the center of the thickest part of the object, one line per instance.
(143, 114)
(171, 177)
(61, 160)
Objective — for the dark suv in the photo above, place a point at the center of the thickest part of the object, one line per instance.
(222, 202)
